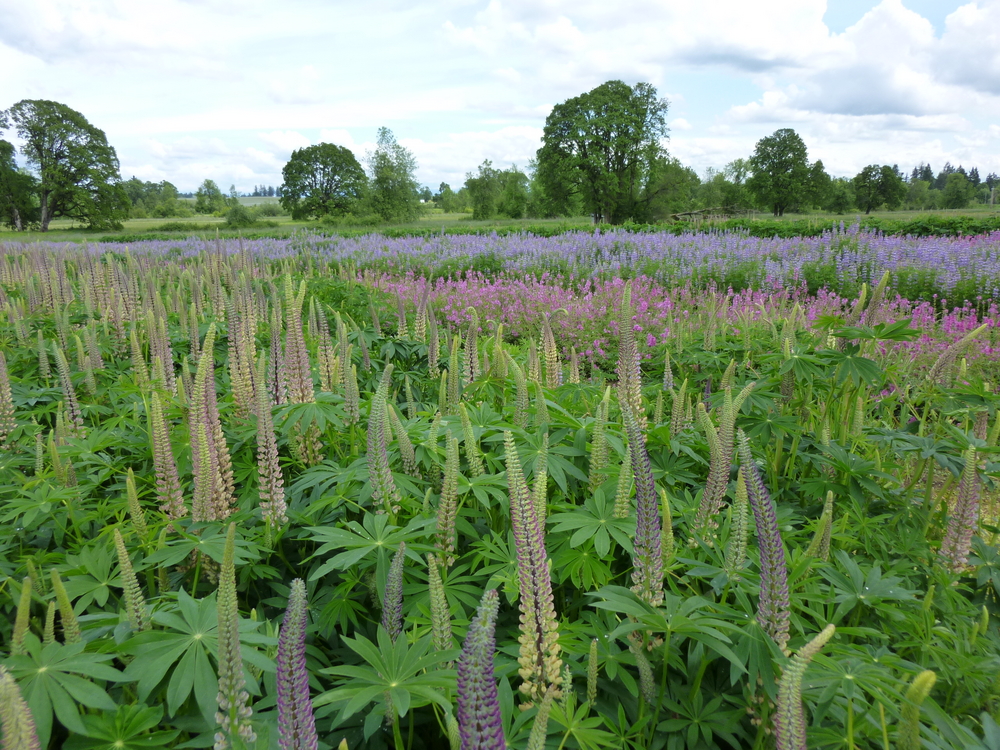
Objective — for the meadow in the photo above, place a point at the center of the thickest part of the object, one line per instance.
(596, 490)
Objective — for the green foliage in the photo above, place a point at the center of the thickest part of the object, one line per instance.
(605, 146)
(209, 199)
(392, 185)
(18, 204)
(780, 170)
(77, 170)
(875, 186)
(321, 180)
(699, 672)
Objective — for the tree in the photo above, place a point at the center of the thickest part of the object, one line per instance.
(780, 167)
(840, 198)
(604, 146)
(393, 186)
(672, 189)
(209, 199)
(77, 170)
(321, 180)
(17, 189)
(819, 186)
(957, 192)
(877, 185)
(484, 191)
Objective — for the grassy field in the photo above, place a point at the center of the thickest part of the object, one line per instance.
(65, 230)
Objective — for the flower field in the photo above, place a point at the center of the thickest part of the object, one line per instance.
(588, 491)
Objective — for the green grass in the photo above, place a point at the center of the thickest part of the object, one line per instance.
(64, 230)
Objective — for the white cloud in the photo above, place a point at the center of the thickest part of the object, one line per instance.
(188, 89)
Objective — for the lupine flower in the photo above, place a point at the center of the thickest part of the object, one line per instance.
(22, 619)
(43, 358)
(18, 724)
(406, 451)
(647, 684)
(471, 371)
(539, 728)
(234, 701)
(592, 672)
(392, 601)
(539, 639)
(736, 546)
(599, 443)
(521, 397)
(623, 493)
(440, 612)
(480, 724)
(384, 489)
(445, 538)
(553, 367)
(721, 457)
(7, 423)
(69, 395)
(909, 713)
(296, 723)
(432, 445)
(135, 510)
(135, 603)
(677, 408)
(454, 372)
(70, 625)
(773, 609)
(270, 483)
(948, 355)
(211, 463)
(352, 396)
(472, 452)
(139, 370)
(49, 633)
(629, 371)
(963, 521)
(454, 733)
(789, 719)
(647, 555)
(819, 547)
(541, 407)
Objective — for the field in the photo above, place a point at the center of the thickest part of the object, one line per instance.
(596, 490)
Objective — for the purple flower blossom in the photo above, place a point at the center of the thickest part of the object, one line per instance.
(773, 608)
(296, 724)
(479, 721)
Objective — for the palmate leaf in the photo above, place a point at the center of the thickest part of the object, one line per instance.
(126, 729)
(852, 365)
(596, 521)
(406, 672)
(51, 682)
(362, 540)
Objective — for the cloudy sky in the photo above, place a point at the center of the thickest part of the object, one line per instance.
(226, 89)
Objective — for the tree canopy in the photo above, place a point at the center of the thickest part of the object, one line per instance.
(17, 200)
(321, 180)
(393, 188)
(77, 170)
(604, 145)
(877, 185)
(780, 167)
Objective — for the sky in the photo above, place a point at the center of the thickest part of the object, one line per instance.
(226, 89)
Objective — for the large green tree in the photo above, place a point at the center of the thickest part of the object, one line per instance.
(77, 170)
(321, 180)
(605, 146)
(957, 191)
(209, 199)
(17, 191)
(877, 185)
(780, 171)
(393, 187)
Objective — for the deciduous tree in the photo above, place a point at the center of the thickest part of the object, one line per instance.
(17, 188)
(393, 186)
(780, 167)
(321, 180)
(77, 170)
(877, 185)
(604, 145)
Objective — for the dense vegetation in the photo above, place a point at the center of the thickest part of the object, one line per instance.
(603, 155)
(486, 492)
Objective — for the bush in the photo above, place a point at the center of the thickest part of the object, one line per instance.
(268, 209)
(240, 216)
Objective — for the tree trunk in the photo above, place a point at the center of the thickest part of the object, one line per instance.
(18, 224)
(44, 216)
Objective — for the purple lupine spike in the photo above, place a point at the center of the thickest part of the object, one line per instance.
(296, 723)
(480, 723)
(773, 609)
(647, 556)
(392, 605)
(963, 519)
(538, 658)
